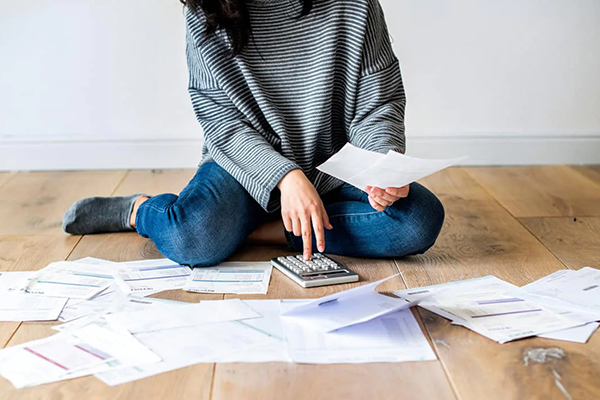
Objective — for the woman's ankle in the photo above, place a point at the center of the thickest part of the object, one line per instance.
(136, 206)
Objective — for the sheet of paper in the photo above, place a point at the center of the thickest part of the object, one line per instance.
(70, 279)
(579, 334)
(127, 304)
(186, 346)
(581, 287)
(151, 276)
(231, 277)
(393, 337)
(14, 281)
(192, 314)
(485, 306)
(362, 168)
(343, 309)
(65, 356)
(29, 307)
(270, 324)
(350, 161)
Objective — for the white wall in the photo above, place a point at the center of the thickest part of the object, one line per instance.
(103, 84)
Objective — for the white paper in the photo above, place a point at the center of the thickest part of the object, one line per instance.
(127, 304)
(486, 306)
(581, 287)
(151, 276)
(66, 356)
(231, 277)
(393, 337)
(579, 334)
(70, 279)
(190, 314)
(15, 281)
(362, 168)
(190, 345)
(270, 324)
(343, 309)
(29, 307)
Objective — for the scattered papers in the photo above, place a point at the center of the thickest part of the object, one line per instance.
(151, 276)
(362, 168)
(501, 311)
(343, 309)
(23, 307)
(115, 333)
(66, 356)
(231, 277)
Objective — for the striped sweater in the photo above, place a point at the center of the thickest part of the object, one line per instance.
(299, 91)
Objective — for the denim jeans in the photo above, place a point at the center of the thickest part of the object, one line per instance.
(214, 214)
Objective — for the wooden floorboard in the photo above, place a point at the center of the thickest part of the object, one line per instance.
(154, 182)
(548, 191)
(590, 171)
(34, 203)
(411, 380)
(480, 238)
(6, 176)
(575, 241)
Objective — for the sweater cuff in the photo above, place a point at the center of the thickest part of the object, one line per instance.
(269, 196)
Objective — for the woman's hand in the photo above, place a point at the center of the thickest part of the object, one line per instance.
(302, 207)
(380, 198)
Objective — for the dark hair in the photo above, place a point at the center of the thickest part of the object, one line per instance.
(231, 16)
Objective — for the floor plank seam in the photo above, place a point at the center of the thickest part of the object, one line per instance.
(542, 243)
(74, 247)
(125, 175)
(12, 335)
(440, 359)
(9, 179)
(212, 381)
(515, 218)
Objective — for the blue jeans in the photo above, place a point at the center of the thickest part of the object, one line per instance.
(214, 214)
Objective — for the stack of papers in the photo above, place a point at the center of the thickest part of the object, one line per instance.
(362, 168)
(503, 312)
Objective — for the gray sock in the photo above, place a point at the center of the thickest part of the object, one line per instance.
(100, 214)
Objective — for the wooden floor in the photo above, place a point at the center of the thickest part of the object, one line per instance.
(518, 223)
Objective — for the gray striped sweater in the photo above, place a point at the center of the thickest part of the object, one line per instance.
(301, 89)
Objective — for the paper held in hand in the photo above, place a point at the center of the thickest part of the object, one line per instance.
(362, 168)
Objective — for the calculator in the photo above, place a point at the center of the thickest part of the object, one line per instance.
(320, 270)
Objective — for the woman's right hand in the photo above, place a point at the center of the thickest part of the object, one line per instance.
(302, 207)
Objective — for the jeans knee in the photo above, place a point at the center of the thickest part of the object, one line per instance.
(197, 242)
(419, 221)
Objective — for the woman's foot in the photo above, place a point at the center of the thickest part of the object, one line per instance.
(102, 214)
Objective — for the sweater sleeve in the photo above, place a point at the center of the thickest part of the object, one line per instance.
(378, 123)
(229, 137)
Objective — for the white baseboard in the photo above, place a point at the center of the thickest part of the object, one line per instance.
(484, 149)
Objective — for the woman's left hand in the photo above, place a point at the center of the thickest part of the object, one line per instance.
(381, 198)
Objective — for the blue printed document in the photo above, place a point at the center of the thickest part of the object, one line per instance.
(231, 277)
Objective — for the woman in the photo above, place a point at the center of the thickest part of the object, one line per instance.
(279, 86)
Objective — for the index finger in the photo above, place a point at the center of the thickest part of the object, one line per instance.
(317, 221)
(306, 236)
